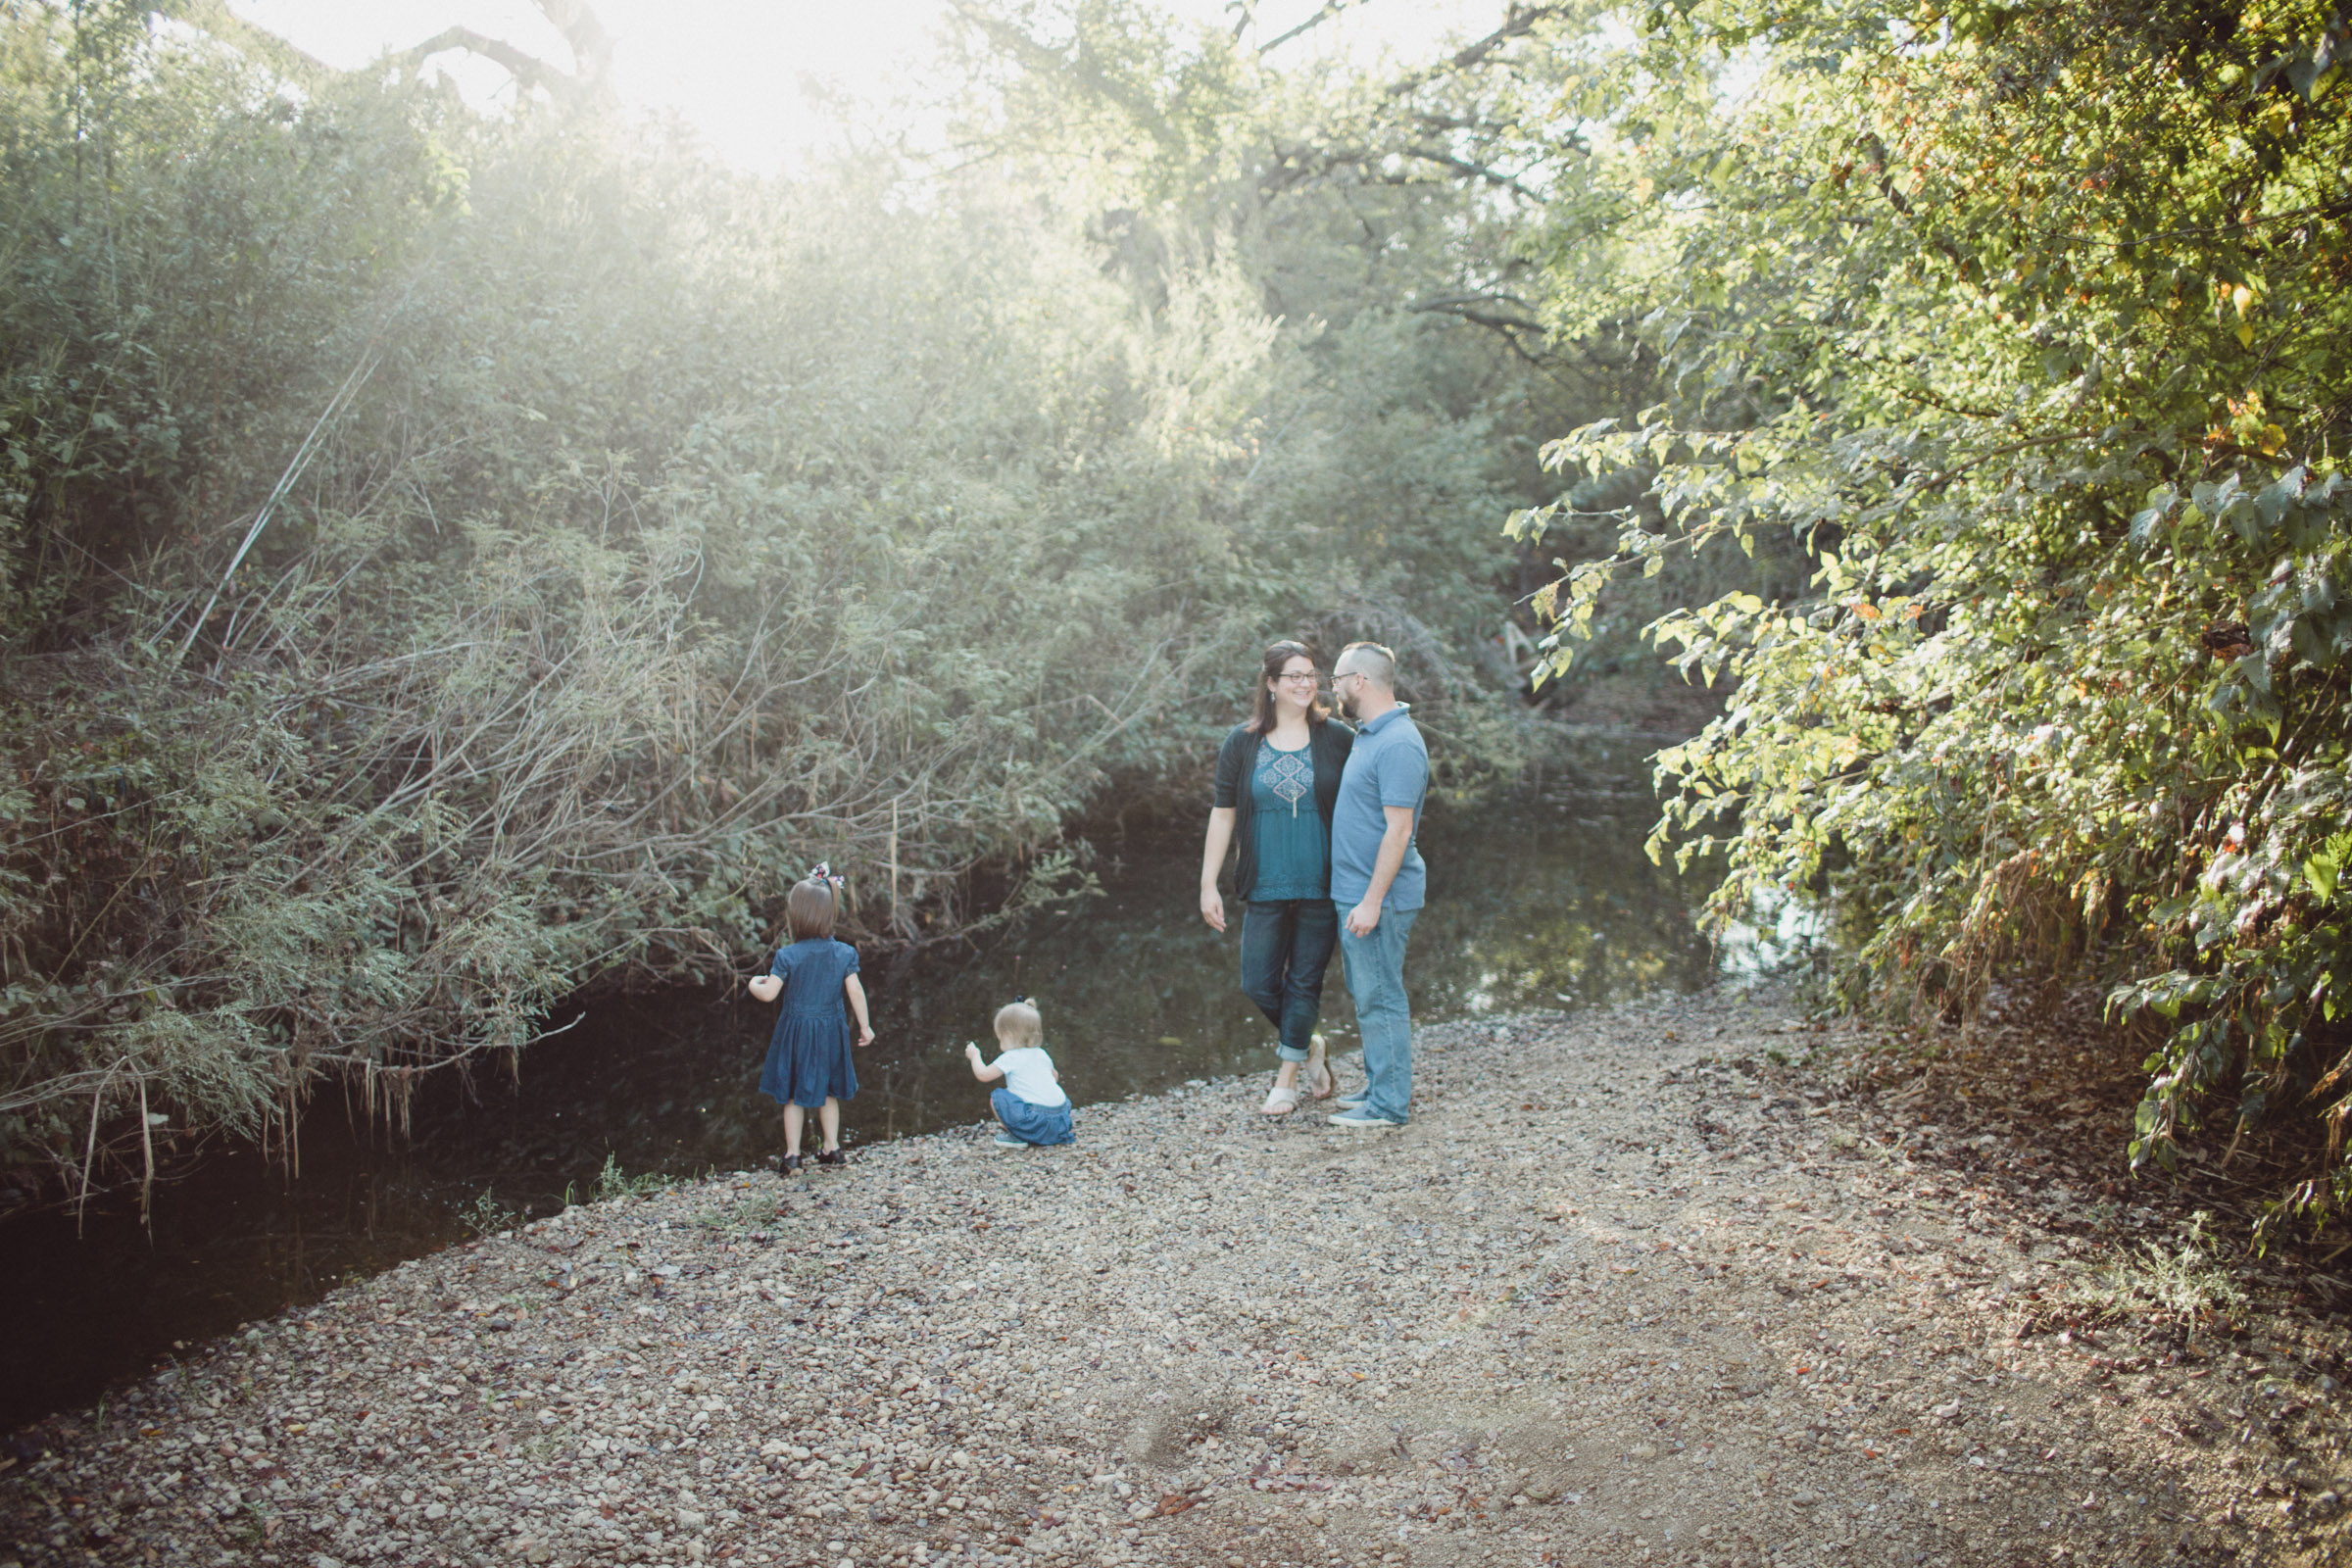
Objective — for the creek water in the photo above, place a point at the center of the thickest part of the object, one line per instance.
(1540, 897)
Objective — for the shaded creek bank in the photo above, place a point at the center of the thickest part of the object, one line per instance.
(1541, 897)
(1634, 1287)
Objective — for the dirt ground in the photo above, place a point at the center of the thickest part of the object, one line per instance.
(1688, 1282)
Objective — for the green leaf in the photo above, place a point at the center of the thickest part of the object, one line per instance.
(2320, 871)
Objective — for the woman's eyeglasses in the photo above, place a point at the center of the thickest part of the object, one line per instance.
(1306, 678)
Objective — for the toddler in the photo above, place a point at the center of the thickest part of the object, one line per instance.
(1031, 1105)
(808, 1055)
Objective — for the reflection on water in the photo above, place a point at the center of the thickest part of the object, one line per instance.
(1539, 899)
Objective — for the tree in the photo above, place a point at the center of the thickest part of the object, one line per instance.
(2030, 327)
(454, 559)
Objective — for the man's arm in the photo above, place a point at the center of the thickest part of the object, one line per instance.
(1395, 840)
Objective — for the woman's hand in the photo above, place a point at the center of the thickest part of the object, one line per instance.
(767, 988)
(1212, 860)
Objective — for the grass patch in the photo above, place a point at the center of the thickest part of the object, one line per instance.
(612, 1182)
(2185, 1283)
(486, 1216)
(751, 1210)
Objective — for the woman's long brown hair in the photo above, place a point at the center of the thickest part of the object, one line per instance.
(1262, 715)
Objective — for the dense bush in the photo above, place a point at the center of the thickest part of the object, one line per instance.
(447, 560)
(2032, 326)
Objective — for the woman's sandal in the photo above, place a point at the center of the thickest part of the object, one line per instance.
(1279, 1102)
(1319, 1081)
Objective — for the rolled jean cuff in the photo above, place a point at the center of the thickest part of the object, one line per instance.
(1290, 1054)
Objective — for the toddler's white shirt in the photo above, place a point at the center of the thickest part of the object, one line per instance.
(1029, 1074)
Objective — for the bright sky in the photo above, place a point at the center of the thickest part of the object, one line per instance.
(741, 72)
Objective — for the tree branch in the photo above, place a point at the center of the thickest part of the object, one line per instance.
(529, 70)
(216, 19)
(1083, 70)
(591, 52)
(1463, 307)
(1517, 22)
(591, 45)
(1480, 171)
(1329, 10)
(1454, 303)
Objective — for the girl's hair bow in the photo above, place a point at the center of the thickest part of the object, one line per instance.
(822, 871)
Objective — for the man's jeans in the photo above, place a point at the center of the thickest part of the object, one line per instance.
(1285, 945)
(1376, 980)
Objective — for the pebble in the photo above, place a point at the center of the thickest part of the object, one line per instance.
(1613, 1292)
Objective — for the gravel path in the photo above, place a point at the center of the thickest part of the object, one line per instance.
(1629, 1289)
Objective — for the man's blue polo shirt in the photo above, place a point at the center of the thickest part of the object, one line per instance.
(1389, 766)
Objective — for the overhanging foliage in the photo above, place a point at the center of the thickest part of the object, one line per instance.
(2033, 326)
(446, 560)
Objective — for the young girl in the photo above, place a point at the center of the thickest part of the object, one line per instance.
(808, 1055)
(1031, 1108)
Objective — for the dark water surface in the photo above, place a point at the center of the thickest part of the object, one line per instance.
(1539, 899)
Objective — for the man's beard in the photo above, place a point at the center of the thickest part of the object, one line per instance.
(1346, 704)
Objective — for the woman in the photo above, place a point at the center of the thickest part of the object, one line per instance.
(1278, 777)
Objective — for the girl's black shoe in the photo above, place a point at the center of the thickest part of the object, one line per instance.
(792, 1162)
(832, 1156)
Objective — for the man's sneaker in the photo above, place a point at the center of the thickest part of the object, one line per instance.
(1358, 1118)
(1007, 1140)
(1346, 1104)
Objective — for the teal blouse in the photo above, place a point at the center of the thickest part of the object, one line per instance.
(1293, 855)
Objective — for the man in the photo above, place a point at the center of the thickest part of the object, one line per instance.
(1377, 877)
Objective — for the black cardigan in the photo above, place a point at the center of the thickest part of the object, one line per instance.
(1328, 743)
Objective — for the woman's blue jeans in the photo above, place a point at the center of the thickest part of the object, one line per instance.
(1285, 945)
